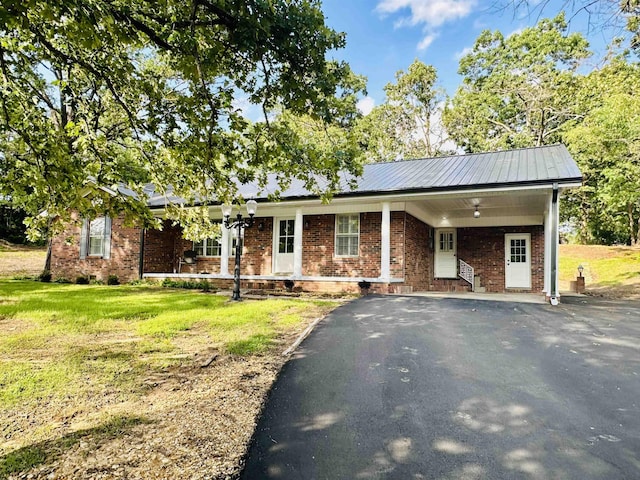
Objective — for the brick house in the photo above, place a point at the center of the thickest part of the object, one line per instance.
(484, 222)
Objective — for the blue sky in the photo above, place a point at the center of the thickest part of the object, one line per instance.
(384, 36)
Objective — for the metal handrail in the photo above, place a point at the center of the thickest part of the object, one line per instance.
(465, 271)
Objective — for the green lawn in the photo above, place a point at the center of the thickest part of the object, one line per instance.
(608, 270)
(60, 340)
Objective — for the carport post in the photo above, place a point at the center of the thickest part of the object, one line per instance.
(555, 217)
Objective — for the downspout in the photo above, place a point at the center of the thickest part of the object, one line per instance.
(141, 262)
(553, 298)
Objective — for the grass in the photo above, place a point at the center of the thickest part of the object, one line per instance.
(612, 271)
(59, 340)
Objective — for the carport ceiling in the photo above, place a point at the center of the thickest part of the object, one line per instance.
(446, 211)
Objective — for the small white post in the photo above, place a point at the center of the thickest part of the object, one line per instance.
(297, 244)
(385, 243)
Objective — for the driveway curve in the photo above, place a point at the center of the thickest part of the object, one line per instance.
(431, 388)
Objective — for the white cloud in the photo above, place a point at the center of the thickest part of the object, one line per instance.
(463, 53)
(365, 105)
(430, 14)
(426, 41)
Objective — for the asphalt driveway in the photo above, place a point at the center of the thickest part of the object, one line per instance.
(427, 388)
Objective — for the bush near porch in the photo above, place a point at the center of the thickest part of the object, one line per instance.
(159, 383)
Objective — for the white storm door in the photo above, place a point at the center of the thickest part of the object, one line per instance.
(283, 242)
(517, 270)
(445, 255)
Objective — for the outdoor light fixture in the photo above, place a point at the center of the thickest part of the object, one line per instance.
(476, 214)
(580, 269)
(239, 223)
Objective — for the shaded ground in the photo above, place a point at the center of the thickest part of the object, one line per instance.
(423, 388)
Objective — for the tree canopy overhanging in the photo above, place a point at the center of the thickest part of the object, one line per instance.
(96, 93)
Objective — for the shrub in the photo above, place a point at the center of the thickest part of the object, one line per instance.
(188, 284)
(62, 280)
(288, 285)
(82, 280)
(364, 285)
(113, 280)
(45, 276)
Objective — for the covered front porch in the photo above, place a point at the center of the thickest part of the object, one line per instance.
(492, 239)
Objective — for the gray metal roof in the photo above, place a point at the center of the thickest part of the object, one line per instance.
(525, 166)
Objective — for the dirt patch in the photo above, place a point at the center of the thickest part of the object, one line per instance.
(598, 252)
(20, 260)
(192, 422)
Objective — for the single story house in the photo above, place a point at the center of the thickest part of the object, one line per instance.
(483, 222)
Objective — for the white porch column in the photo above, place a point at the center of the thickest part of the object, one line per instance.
(224, 251)
(547, 248)
(297, 245)
(385, 243)
(555, 206)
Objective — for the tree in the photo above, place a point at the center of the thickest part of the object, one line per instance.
(606, 145)
(517, 91)
(407, 123)
(612, 15)
(100, 93)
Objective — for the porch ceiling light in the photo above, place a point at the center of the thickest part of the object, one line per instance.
(476, 213)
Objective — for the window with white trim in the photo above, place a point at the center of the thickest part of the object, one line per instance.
(347, 235)
(96, 237)
(209, 247)
(212, 247)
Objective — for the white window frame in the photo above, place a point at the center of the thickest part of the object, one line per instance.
(348, 235)
(91, 228)
(232, 241)
(207, 244)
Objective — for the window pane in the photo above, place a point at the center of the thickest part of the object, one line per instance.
(95, 245)
(353, 246)
(281, 246)
(289, 244)
(198, 247)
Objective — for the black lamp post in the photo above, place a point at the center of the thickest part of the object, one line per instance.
(239, 223)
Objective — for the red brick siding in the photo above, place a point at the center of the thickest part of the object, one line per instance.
(124, 261)
(484, 250)
(318, 248)
(398, 247)
(419, 267)
(160, 249)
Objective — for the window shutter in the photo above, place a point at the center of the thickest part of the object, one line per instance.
(83, 239)
(107, 238)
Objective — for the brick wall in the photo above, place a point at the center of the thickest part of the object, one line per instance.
(419, 267)
(319, 259)
(484, 249)
(124, 261)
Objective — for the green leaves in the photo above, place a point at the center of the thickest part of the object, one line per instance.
(148, 92)
(407, 123)
(517, 91)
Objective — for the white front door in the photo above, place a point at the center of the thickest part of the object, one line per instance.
(283, 241)
(517, 270)
(445, 253)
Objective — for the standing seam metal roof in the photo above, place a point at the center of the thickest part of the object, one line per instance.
(458, 172)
